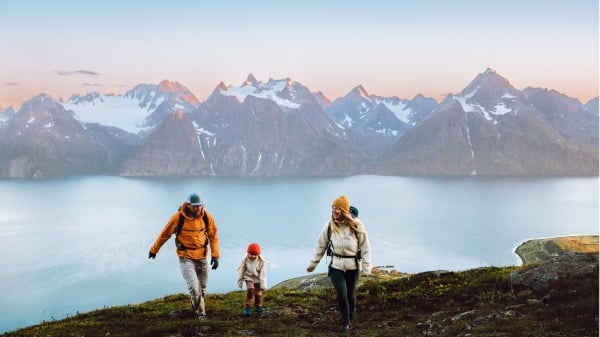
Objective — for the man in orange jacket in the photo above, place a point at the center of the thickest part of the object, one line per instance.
(195, 229)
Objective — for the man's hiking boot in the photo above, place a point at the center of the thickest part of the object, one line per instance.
(345, 327)
(248, 312)
(196, 311)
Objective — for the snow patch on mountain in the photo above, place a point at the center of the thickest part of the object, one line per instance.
(399, 108)
(269, 90)
(257, 166)
(364, 108)
(347, 121)
(490, 115)
(123, 112)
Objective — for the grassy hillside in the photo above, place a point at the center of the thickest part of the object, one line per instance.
(477, 302)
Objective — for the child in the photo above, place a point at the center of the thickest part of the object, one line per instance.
(253, 272)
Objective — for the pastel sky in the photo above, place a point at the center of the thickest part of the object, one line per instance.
(392, 48)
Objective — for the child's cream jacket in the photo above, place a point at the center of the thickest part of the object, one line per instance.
(252, 270)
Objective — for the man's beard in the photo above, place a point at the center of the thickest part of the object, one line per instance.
(191, 213)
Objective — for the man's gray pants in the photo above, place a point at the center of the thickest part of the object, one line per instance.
(195, 273)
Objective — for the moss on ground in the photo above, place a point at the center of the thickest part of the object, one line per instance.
(477, 302)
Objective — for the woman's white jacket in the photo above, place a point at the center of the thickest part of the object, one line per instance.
(344, 243)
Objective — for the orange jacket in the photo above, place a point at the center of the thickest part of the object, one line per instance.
(193, 235)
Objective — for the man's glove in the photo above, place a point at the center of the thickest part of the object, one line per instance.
(151, 255)
(214, 262)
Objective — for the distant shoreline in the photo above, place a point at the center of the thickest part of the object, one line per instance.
(535, 250)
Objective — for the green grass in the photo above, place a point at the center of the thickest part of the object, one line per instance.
(424, 304)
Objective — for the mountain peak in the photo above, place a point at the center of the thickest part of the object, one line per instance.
(490, 71)
(489, 80)
(221, 87)
(250, 80)
(169, 86)
(41, 98)
(491, 76)
(359, 91)
(175, 87)
(89, 97)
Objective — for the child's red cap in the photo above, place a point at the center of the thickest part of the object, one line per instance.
(254, 248)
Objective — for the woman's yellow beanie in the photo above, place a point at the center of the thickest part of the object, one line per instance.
(342, 203)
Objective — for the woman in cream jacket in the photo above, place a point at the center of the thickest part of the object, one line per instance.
(346, 243)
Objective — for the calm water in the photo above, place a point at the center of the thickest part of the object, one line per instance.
(78, 244)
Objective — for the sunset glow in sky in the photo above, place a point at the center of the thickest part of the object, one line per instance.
(391, 48)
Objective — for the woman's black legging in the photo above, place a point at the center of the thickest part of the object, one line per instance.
(344, 283)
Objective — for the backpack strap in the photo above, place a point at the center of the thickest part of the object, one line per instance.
(205, 219)
(331, 252)
(179, 225)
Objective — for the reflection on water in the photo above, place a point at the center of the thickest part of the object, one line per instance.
(78, 244)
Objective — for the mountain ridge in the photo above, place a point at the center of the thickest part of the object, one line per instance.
(283, 128)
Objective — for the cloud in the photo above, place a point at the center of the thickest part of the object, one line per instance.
(76, 72)
(92, 84)
(12, 83)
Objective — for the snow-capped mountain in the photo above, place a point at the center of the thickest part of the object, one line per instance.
(284, 93)
(5, 115)
(282, 128)
(490, 96)
(43, 140)
(269, 129)
(290, 96)
(358, 103)
(379, 121)
(138, 111)
(492, 128)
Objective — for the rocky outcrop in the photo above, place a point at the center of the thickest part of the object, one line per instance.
(558, 266)
(552, 259)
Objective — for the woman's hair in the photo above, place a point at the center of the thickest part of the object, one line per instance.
(354, 225)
